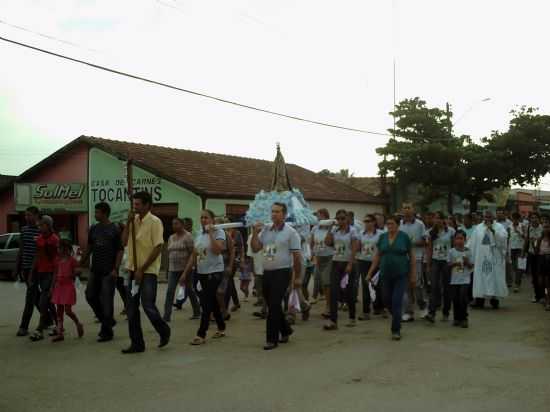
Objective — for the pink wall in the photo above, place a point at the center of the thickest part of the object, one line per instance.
(69, 167)
(7, 206)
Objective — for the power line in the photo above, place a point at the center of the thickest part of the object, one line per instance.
(195, 93)
(47, 36)
(170, 6)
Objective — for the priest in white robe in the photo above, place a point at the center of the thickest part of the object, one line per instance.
(488, 248)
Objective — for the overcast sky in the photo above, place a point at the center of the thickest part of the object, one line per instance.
(325, 60)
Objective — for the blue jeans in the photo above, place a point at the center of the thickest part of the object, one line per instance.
(147, 295)
(100, 294)
(173, 277)
(441, 287)
(394, 287)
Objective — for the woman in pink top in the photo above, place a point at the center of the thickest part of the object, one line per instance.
(63, 291)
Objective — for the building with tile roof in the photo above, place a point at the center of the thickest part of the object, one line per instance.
(68, 183)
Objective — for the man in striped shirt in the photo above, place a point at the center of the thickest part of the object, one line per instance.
(24, 269)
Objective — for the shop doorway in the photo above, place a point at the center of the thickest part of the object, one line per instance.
(235, 212)
(166, 212)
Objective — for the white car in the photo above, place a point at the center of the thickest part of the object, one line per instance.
(9, 248)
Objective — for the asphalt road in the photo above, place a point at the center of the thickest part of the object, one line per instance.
(501, 363)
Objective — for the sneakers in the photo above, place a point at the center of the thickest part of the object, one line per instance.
(22, 332)
(330, 326)
(352, 323)
(305, 314)
(429, 317)
(164, 340)
(396, 336)
(131, 350)
(407, 317)
(516, 290)
(36, 336)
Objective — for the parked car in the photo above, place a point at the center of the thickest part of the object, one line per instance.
(9, 247)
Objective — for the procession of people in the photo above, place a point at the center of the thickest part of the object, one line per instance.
(404, 266)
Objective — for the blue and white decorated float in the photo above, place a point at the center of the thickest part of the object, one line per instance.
(299, 212)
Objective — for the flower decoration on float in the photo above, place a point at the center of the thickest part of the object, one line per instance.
(298, 211)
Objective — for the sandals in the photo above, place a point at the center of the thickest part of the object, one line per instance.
(218, 335)
(36, 336)
(197, 340)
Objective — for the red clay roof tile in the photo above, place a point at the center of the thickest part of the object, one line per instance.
(217, 175)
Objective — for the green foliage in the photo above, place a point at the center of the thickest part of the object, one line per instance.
(343, 174)
(524, 150)
(425, 151)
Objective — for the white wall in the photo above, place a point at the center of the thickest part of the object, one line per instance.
(218, 205)
(360, 209)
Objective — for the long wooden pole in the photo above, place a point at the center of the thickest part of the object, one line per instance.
(130, 182)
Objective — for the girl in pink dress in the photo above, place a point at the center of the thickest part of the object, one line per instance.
(64, 292)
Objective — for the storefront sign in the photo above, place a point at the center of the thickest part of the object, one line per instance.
(107, 183)
(67, 197)
(115, 192)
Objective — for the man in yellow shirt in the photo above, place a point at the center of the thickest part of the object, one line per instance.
(149, 241)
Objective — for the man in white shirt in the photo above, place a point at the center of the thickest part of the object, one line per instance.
(416, 231)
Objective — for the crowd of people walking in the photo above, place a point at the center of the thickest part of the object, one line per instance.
(406, 266)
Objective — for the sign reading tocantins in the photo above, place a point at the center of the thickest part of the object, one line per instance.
(107, 183)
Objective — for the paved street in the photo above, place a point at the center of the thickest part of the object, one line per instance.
(502, 363)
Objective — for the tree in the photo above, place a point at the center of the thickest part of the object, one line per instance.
(342, 175)
(423, 150)
(524, 149)
(480, 172)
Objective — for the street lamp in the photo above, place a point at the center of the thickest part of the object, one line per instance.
(474, 104)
